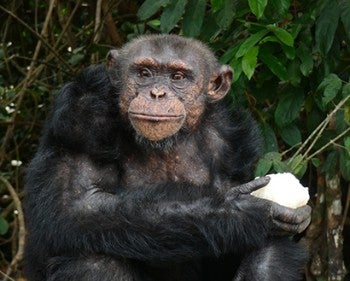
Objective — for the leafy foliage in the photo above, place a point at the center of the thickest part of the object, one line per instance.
(273, 44)
(290, 60)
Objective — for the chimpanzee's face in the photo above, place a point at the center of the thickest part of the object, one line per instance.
(166, 86)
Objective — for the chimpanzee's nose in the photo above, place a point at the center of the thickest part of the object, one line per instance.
(158, 93)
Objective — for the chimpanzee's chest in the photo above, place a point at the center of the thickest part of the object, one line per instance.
(172, 167)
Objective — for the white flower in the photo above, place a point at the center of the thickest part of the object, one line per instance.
(16, 163)
(9, 110)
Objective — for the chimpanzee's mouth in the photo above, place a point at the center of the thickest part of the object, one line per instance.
(155, 117)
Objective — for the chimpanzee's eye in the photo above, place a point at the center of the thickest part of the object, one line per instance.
(178, 75)
(145, 73)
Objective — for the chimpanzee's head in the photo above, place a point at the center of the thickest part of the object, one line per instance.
(165, 83)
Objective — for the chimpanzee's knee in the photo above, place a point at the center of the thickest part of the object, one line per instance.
(281, 259)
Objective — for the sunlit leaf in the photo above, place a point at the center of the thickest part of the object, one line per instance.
(250, 42)
(229, 54)
(257, 7)
(283, 35)
(237, 69)
(249, 61)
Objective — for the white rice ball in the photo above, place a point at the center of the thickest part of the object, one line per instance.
(284, 189)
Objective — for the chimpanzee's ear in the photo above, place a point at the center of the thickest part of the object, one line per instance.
(112, 67)
(220, 83)
(112, 59)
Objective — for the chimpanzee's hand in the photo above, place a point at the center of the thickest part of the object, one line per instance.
(278, 219)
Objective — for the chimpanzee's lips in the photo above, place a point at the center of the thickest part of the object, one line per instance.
(155, 117)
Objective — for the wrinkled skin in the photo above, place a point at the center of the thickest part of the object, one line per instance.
(144, 173)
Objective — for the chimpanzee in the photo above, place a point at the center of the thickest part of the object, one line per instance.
(142, 172)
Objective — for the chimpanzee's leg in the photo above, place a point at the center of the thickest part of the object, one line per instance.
(97, 268)
(280, 260)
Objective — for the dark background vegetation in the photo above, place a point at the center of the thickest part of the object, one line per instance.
(292, 64)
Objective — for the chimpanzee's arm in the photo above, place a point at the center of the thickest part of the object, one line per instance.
(74, 212)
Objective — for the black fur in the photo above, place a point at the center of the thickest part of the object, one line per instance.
(94, 210)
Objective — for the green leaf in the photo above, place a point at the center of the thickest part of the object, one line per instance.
(226, 14)
(229, 54)
(345, 15)
(269, 137)
(274, 64)
(154, 23)
(288, 108)
(289, 52)
(263, 167)
(257, 7)
(150, 7)
(250, 42)
(291, 135)
(193, 17)
(330, 166)
(347, 114)
(270, 38)
(210, 28)
(269, 160)
(330, 86)
(297, 166)
(281, 167)
(347, 144)
(237, 69)
(346, 93)
(171, 15)
(273, 156)
(326, 25)
(283, 35)
(76, 58)
(216, 5)
(249, 61)
(307, 62)
(282, 6)
(346, 90)
(344, 164)
(316, 162)
(4, 226)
